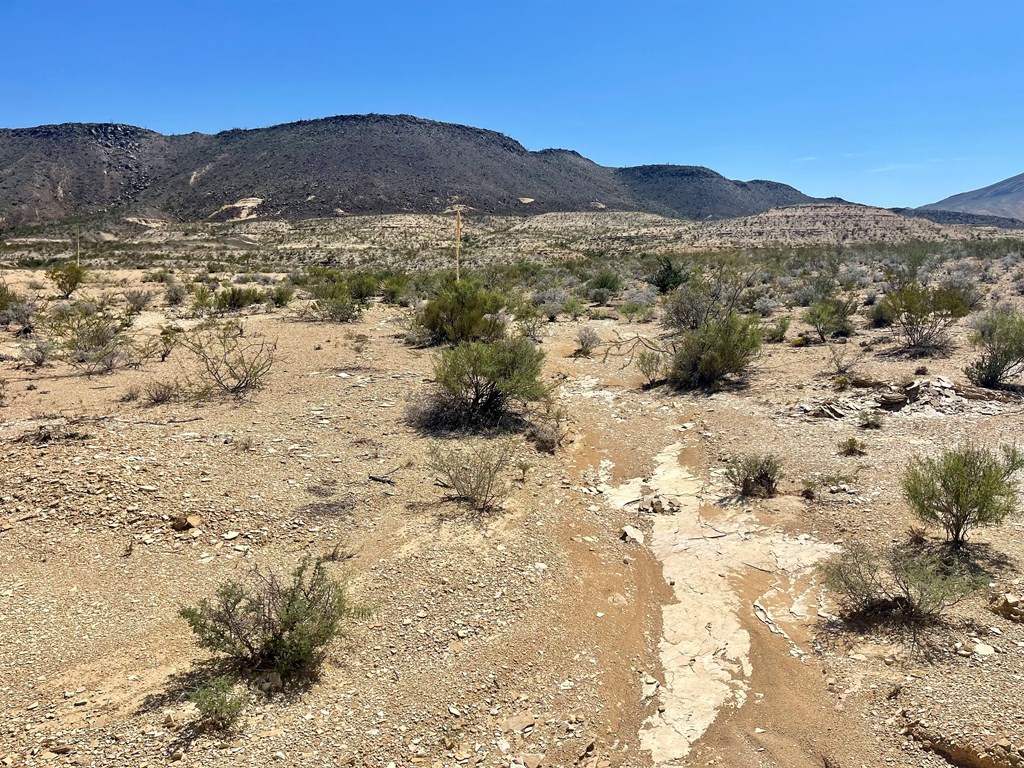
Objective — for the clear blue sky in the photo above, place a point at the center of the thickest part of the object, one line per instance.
(889, 103)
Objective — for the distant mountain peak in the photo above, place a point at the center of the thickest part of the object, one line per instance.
(1004, 198)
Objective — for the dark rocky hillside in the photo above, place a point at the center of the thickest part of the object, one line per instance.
(351, 164)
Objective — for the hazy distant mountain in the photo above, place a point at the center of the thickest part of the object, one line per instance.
(1005, 198)
(959, 217)
(347, 164)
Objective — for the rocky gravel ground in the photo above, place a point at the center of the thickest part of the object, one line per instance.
(524, 638)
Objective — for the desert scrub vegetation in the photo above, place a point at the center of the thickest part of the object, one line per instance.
(963, 488)
(902, 583)
(475, 475)
(274, 623)
(87, 337)
(67, 278)
(461, 311)
(922, 316)
(720, 348)
(831, 317)
(587, 340)
(755, 475)
(219, 703)
(999, 335)
(483, 384)
(229, 363)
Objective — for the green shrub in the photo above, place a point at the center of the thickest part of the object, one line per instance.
(607, 280)
(335, 303)
(137, 300)
(175, 294)
(475, 475)
(235, 298)
(851, 446)
(482, 380)
(721, 348)
(880, 315)
(395, 288)
(922, 316)
(776, 332)
(281, 294)
(667, 277)
(462, 311)
(703, 298)
(755, 475)
(650, 364)
(87, 338)
(574, 307)
(67, 277)
(902, 583)
(963, 488)
(999, 335)
(267, 623)
(831, 317)
(219, 704)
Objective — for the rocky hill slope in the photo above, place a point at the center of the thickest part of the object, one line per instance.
(363, 164)
(1004, 198)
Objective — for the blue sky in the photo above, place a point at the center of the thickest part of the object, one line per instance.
(889, 103)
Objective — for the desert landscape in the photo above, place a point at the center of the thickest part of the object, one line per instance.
(596, 501)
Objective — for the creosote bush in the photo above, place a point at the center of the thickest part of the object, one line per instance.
(755, 475)
(475, 475)
(999, 335)
(963, 488)
(831, 317)
(219, 703)
(483, 381)
(922, 316)
(462, 311)
(87, 338)
(650, 364)
(67, 277)
(230, 363)
(902, 583)
(268, 623)
(720, 348)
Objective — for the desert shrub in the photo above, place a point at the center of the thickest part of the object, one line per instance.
(483, 380)
(475, 475)
(880, 315)
(574, 307)
(999, 335)
(601, 296)
(463, 311)
(530, 320)
(776, 332)
(86, 338)
(39, 353)
(667, 277)
(587, 340)
(271, 624)
(548, 427)
(219, 703)
(202, 299)
(234, 298)
(230, 363)
(902, 583)
(15, 309)
(281, 294)
(175, 294)
(831, 317)
(922, 316)
(395, 288)
(158, 276)
(755, 475)
(607, 280)
(703, 298)
(870, 420)
(137, 300)
(159, 392)
(843, 358)
(720, 348)
(765, 306)
(963, 488)
(650, 364)
(851, 446)
(334, 303)
(67, 278)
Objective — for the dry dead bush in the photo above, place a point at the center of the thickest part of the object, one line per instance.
(475, 475)
(230, 363)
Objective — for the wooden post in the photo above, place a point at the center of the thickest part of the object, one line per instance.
(458, 243)
(78, 244)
